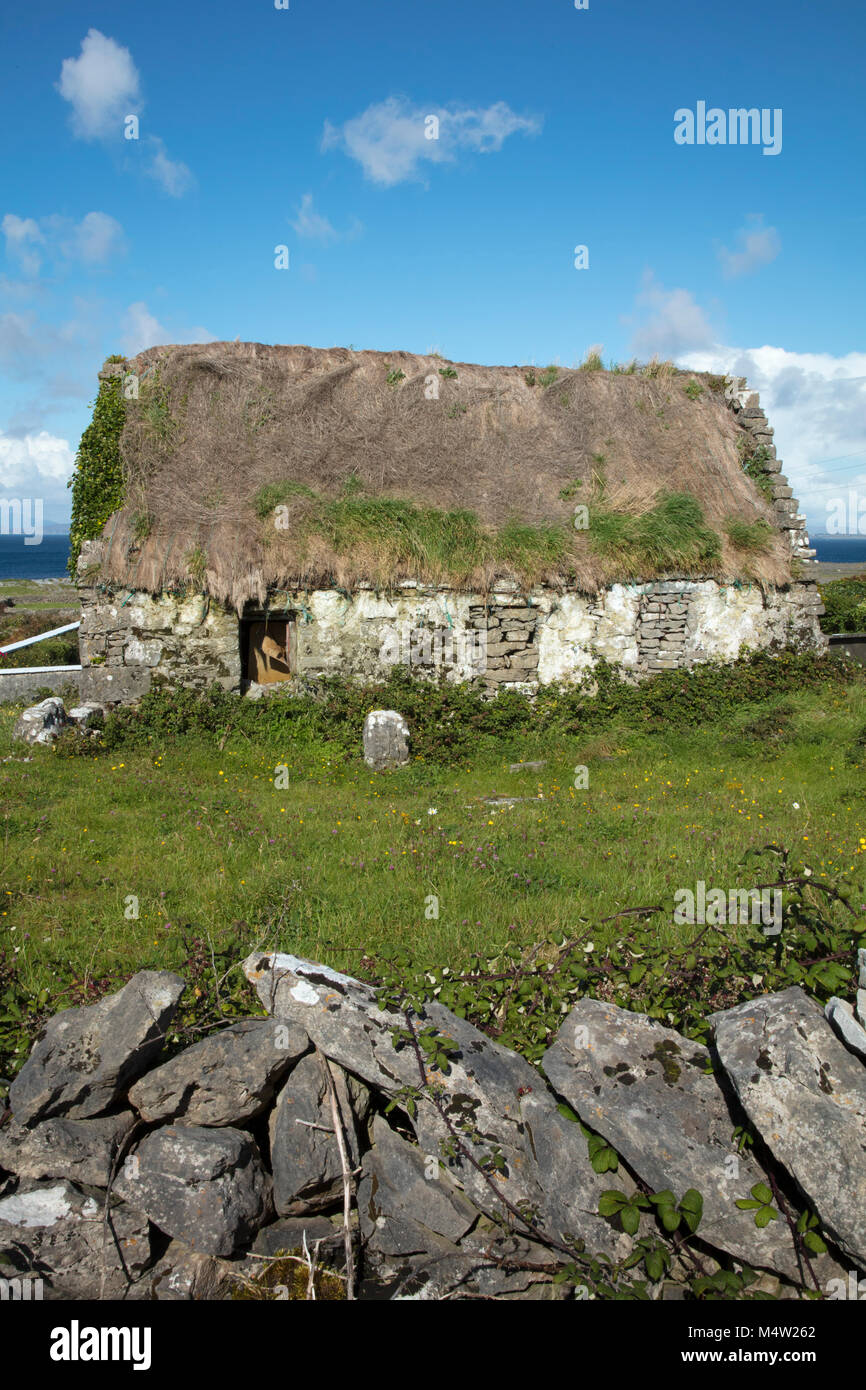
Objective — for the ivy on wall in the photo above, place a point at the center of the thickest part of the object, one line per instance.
(97, 482)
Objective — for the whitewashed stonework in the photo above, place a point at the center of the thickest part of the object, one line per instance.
(502, 639)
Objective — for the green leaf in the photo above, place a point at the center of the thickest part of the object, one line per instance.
(611, 1201)
(630, 1218)
(765, 1216)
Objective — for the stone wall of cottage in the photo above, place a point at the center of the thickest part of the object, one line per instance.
(505, 638)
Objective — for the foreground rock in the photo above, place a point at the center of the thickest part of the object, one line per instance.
(57, 1231)
(495, 1104)
(305, 1157)
(652, 1095)
(41, 723)
(386, 740)
(87, 715)
(206, 1187)
(226, 1079)
(83, 1150)
(806, 1094)
(85, 1058)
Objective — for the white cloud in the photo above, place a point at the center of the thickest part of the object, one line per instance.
(101, 86)
(140, 330)
(312, 224)
(95, 239)
(758, 245)
(92, 241)
(22, 238)
(390, 139)
(28, 462)
(669, 322)
(174, 176)
(816, 404)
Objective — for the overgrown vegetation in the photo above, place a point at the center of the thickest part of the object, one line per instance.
(751, 537)
(670, 536)
(754, 459)
(97, 482)
(845, 602)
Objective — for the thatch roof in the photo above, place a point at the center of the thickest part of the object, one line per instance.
(216, 424)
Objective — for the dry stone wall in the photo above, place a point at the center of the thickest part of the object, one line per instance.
(124, 1174)
(746, 405)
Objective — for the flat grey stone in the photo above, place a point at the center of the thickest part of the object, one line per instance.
(56, 1230)
(386, 740)
(528, 767)
(82, 1150)
(840, 1015)
(206, 1187)
(84, 1059)
(645, 1088)
(226, 1079)
(305, 1157)
(84, 716)
(806, 1095)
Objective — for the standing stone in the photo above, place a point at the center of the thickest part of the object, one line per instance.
(41, 723)
(305, 1158)
(806, 1095)
(85, 1058)
(205, 1187)
(386, 740)
(646, 1089)
(226, 1079)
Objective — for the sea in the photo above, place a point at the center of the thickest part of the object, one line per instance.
(47, 560)
(841, 550)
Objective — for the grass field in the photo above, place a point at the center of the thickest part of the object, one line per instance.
(214, 845)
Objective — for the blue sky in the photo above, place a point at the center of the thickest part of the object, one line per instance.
(305, 126)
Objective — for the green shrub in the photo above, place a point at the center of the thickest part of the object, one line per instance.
(845, 602)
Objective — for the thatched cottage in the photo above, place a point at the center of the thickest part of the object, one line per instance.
(280, 514)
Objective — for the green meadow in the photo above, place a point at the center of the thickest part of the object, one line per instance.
(187, 851)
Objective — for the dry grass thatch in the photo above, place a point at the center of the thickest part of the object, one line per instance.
(343, 438)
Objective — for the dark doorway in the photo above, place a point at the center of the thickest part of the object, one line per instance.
(268, 649)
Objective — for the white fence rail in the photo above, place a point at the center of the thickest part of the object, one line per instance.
(28, 642)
